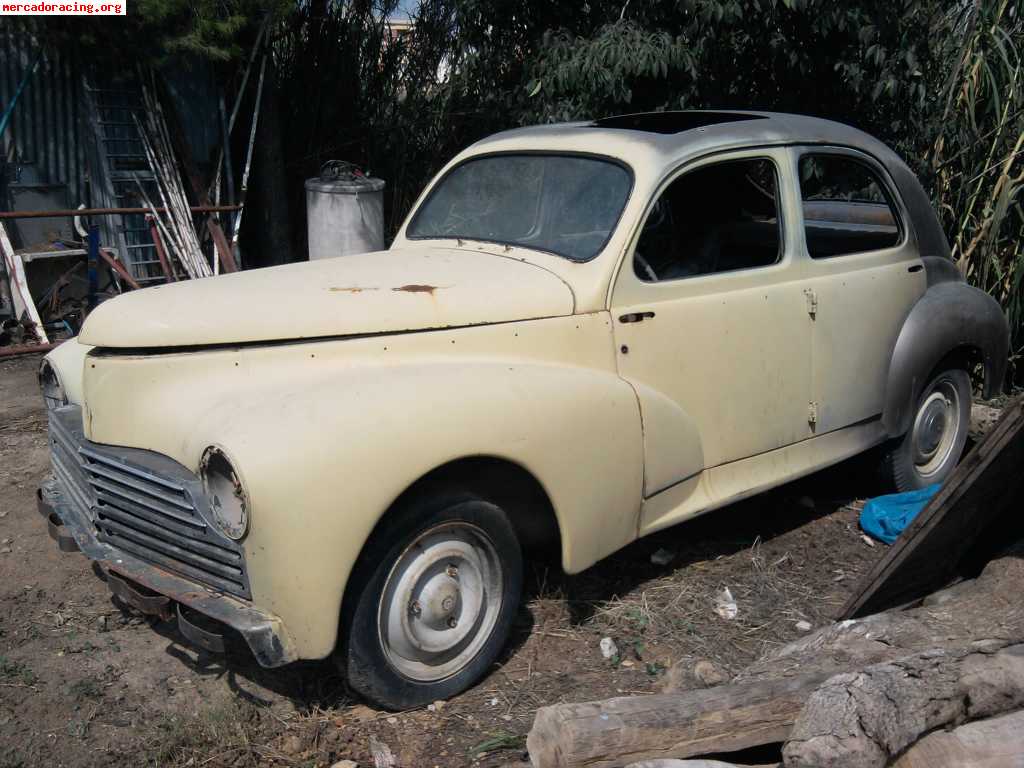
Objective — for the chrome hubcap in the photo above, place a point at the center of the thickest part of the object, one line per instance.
(936, 427)
(441, 601)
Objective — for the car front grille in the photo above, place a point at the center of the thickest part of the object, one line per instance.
(145, 504)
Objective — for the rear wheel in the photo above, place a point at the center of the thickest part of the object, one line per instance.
(930, 450)
(431, 602)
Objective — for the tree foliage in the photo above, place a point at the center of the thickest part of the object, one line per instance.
(941, 81)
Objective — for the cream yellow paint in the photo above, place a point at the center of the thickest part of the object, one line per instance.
(412, 289)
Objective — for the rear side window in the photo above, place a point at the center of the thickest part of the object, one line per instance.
(846, 207)
(718, 218)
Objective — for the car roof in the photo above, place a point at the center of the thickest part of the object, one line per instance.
(670, 133)
(654, 142)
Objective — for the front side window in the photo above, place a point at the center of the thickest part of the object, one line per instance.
(563, 204)
(718, 218)
(846, 207)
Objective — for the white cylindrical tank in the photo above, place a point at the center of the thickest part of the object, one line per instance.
(344, 212)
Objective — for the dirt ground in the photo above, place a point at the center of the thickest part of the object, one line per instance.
(83, 683)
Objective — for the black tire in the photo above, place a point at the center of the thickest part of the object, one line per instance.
(905, 465)
(389, 678)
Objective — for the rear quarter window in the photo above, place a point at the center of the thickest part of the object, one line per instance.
(847, 209)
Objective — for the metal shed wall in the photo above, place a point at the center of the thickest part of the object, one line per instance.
(46, 125)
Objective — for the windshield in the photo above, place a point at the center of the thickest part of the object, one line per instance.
(563, 204)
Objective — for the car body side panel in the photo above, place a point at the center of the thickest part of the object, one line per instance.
(327, 435)
(950, 315)
(860, 302)
(730, 350)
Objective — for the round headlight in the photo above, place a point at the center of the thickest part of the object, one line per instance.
(229, 504)
(53, 391)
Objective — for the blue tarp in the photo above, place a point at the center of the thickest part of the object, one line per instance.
(885, 517)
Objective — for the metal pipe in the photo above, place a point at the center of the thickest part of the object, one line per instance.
(94, 257)
(109, 212)
(25, 349)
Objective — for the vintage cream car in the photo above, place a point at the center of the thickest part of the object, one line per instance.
(582, 333)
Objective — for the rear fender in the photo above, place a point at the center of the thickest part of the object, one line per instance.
(951, 317)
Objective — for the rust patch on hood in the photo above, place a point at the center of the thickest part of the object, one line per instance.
(413, 288)
(353, 289)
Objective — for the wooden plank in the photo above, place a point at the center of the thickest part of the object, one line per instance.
(23, 302)
(983, 494)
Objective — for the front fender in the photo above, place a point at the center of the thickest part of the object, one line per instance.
(951, 316)
(67, 359)
(337, 454)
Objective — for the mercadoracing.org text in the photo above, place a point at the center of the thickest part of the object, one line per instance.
(42, 8)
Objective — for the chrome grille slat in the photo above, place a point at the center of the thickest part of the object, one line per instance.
(118, 466)
(190, 529)
(145, 505)
(100, 485)
(136, 485)
(110, 526)
(69, 471)
(145, 553)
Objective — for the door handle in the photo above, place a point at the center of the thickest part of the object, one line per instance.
(635, 317)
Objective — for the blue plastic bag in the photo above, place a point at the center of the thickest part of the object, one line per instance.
(885, 517)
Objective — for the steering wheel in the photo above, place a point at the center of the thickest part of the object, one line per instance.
(645, 265)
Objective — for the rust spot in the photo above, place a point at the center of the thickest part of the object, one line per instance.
(353, 289)
(413, 288)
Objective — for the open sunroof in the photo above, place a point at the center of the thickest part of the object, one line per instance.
(671, 122)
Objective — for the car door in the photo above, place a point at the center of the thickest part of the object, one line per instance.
(710, 318)
(864, 275)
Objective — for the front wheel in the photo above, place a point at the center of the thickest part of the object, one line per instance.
(930, 450)
(431, 602)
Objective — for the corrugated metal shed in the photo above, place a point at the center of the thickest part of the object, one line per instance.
(44, 134)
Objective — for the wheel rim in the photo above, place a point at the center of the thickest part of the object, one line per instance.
(936, 427)
(441, 600)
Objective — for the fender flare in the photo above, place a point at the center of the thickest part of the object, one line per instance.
(950, 317)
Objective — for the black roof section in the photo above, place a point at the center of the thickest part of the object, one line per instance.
(671, 122)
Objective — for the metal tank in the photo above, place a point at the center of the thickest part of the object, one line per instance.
(344, 212)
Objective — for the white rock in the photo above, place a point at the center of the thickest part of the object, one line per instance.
(608, 648)
(725, 605)
(803, 626)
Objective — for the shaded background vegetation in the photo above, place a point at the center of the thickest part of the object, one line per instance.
(940, 80)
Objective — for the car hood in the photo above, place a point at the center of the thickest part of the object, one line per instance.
(409, 289)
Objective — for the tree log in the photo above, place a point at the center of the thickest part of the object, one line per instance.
(994, 743)
(863, 719)
(762, 703)
(606, 734)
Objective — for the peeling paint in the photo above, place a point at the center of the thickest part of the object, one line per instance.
(413, 288)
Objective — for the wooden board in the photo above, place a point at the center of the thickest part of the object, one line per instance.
(23, 302)
(978, 510)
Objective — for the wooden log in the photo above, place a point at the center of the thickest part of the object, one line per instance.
(994, 743)
(673, 763)
(863, 719)
(726, 718)
(760, 706)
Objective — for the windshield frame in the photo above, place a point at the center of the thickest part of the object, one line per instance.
(521, 153)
